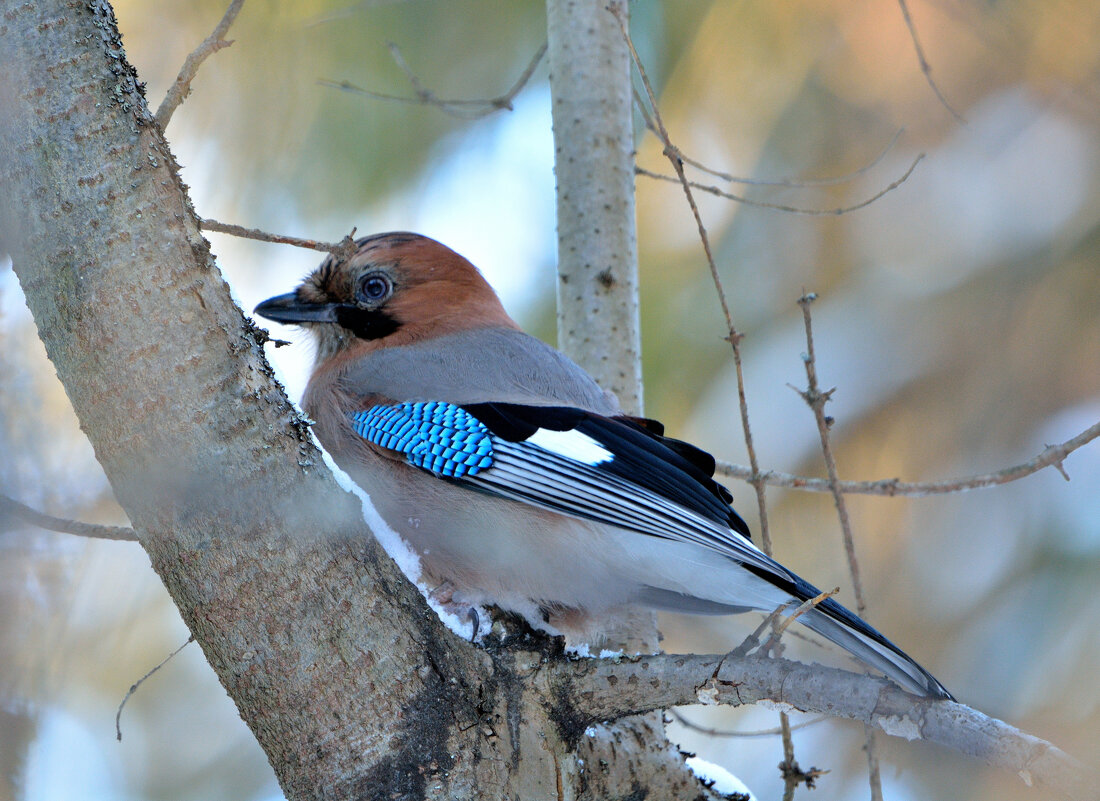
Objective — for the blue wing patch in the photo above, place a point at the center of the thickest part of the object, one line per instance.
(440, 437)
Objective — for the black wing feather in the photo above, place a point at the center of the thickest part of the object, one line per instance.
(668, 467)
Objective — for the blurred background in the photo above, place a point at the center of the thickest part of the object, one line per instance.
(959, 319)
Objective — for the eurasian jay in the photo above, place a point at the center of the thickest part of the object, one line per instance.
(518, 480)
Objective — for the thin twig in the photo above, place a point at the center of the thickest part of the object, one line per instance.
(791, 183)
(834, 212)
(816, 400)
(788, 768)
(801, 183)
(139, 682)
(10, 506)
(793, 776)
(752, 642)
(462, 109)
(734, 337)
(925, 67)
(745, 734)
(804, 607)
(1052, 456)
(181, 88)
(874, 774)
(341, 250)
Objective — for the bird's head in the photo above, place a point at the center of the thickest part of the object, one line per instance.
(397, 288)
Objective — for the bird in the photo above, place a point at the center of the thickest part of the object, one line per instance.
(514, 476)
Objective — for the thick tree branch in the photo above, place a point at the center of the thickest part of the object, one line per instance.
(593, 119)
(604, 689)
(341, 671)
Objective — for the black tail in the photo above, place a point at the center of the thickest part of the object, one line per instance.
(837, 624)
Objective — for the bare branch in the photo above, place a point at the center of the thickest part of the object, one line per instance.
(805, 606)
(462, 109)
(793, 774)
(181, 88)
(1052, 456)
(139, 682)
(835, 212)
(774, 732)
(12, 507)
(603, 689)
(925, 67)
(816, 400)
(656, 124)
(792, 183)
(343, 249)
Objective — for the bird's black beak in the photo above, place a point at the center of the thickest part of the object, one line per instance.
(289, 309)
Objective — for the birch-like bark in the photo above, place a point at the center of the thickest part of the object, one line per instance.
(594, 164)
(350, 684)
(598, 315)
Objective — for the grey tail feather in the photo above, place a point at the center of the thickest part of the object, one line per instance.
(879, 655)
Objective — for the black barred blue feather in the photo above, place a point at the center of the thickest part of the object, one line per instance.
(440, 437)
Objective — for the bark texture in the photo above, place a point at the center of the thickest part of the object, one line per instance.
(266, 558)
(594, 163)
(599, 325)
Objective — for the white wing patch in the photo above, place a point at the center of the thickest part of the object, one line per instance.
(572, 445)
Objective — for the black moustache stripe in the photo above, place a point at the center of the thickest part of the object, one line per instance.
(366, 323)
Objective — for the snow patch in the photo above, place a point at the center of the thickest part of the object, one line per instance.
(390, 540)
(405, 557)
(724, 781)
(903, 726)
(583, 650)
(778, 706)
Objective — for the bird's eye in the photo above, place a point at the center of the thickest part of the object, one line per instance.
(374, 287)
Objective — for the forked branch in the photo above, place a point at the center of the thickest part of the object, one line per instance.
(181, 87)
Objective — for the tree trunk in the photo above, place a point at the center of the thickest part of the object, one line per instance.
(592, 109)
(598, 319)
(349, 682)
